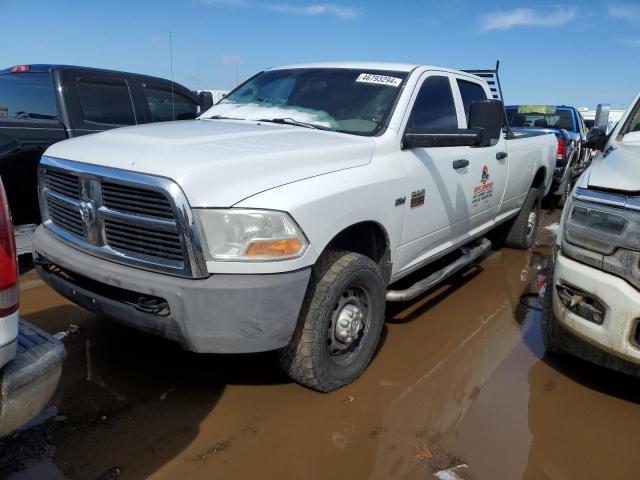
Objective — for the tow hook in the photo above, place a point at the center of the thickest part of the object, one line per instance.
(155, 306)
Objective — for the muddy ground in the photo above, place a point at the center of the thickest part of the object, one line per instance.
(460, 378)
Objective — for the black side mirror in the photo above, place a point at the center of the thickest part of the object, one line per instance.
(441, 137)
(205, 99)
(597, 138)
(487, 116)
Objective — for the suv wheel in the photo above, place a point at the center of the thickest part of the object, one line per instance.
(340, 322)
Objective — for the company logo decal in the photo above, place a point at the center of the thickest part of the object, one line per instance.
(484, 191)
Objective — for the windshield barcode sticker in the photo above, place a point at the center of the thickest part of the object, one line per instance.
(379, 79)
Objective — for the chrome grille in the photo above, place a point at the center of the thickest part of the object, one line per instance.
(66, 217)
(135, 200)
(127, 217)
(63, 183)
(146, 241)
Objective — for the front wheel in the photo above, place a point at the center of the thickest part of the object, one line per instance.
(340, 322)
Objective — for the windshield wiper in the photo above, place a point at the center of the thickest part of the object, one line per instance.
(291, 121)
(221, 117)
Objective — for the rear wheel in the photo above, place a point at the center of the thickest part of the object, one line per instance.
(561, 200)
(340, 322)
(521, 232)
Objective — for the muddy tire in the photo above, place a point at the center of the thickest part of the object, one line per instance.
(340, 322)
(559, 201)
(548, 323)
(521, 232)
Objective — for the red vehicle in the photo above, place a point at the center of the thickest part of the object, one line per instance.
(30, 359)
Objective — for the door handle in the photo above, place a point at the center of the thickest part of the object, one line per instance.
(501, 155)
(457, 164)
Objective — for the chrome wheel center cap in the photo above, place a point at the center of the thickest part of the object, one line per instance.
(349, 324)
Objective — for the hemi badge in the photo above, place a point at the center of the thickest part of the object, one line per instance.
(417, 198)
(400, 201)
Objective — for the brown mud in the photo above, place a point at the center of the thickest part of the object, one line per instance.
(460, 378)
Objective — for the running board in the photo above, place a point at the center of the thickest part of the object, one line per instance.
(469, 255)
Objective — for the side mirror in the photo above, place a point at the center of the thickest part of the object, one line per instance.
(487, 116)
(602, 116)
(440, 137)
(597, 138)
(205, 99)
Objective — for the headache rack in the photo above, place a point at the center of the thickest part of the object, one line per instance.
(492, 78)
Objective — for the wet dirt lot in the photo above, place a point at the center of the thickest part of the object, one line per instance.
(460, 377)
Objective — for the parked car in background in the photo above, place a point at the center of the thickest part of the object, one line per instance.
(296, 201)
(568, 126)
(589, 117)
(595, 292)
(43, 104)
(30, 359)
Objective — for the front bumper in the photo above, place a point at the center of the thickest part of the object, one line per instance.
(617, 335)
(219, 314)
(28, 381)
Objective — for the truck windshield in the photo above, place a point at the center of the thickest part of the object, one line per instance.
(27, 96)
(540, 117)
(345, 100)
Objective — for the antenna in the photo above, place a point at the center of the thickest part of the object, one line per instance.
(173, 102)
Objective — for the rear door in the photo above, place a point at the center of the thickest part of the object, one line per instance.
(99, 101)
(488, 166)
(436, 208)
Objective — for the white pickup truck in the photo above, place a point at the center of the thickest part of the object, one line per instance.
(279, 218)
(595, 297)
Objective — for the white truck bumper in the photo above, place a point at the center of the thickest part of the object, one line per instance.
(618, 332)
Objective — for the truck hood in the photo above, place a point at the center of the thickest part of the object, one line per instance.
(617, 169)
(220, 162)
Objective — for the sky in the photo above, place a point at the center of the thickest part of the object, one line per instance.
(581, 53)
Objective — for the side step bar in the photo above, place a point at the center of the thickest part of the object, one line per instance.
(469, 255)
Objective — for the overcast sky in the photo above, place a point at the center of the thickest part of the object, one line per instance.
(579, 53)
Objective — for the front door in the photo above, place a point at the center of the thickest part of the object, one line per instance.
(436, 209)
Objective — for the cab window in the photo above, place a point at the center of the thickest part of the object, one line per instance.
(165, 106)
(106, 101)
(434, 107)
(470, 92)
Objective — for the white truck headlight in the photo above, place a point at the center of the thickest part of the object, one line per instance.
(249, 235)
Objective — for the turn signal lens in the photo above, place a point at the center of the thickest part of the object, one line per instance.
(274, 248)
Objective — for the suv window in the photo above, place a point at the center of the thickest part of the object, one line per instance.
(434, 106)
(163, 109)
(106, 101)
(27, 96)
(470, 92)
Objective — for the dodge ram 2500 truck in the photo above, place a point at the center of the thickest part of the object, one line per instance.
(568, 126)
(595, 290)
(280, 217)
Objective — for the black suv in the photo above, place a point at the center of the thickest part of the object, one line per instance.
(43, 104)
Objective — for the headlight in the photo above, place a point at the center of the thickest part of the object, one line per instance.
(599, 228)
(250, 235)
